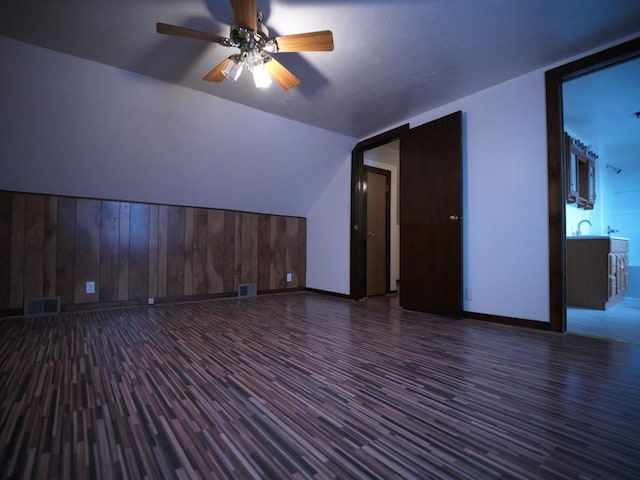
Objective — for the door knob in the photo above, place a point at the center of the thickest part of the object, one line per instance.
(454, 218)
(371, 234)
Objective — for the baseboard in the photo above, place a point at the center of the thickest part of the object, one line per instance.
(167, 300)
(281, 290)
(11, 312)
(519, 322)
(331, 294)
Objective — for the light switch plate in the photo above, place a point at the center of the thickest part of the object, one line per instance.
(90, 287)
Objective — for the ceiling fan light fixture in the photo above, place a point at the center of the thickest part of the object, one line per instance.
(261, 77)
(255, 63)
(233, 69)
(251, 36)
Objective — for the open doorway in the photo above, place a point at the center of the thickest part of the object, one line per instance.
(558, 163)
(382, 222)
(377, 151)
(430, 215)
(600, 112)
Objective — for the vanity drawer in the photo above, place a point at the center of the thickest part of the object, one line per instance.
(619, 245)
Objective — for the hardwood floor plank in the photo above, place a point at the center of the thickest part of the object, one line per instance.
(307, 386)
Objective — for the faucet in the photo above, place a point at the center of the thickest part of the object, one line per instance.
(578, 233)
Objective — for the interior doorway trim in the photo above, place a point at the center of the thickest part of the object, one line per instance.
(556, 167)
(358, 261)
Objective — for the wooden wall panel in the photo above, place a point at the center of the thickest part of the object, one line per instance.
(87, 251)
(229, 249)
(163, 213)
(199, 249)
(6, 214)
(139, 252)
(291, 260)
(16, 282)
(34, 246)
(123, 251)
(278, 252)
(65, 250)
(264, 252)
(52, 246)
(215, 251)
(175, 251)
(237, 248)
(245, 254)
(188, 251)
(302, 252)
(109, 251)
(154, 217)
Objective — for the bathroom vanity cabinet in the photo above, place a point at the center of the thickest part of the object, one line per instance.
(597, 271)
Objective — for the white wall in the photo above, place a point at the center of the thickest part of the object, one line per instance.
(625, 207)
(329, 235)
(505, 250)
(74, 127)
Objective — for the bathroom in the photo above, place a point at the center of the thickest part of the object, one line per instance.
(602, 115)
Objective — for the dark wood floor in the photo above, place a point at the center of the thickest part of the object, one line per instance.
(307, 386)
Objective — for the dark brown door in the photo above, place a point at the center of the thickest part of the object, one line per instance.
(377, 227)
(431, 217)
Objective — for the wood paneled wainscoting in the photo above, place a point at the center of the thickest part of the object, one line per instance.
(53, 245)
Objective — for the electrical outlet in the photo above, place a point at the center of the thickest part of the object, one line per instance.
(90, 287)
(289, 277)
(151, 301)
(468, 294)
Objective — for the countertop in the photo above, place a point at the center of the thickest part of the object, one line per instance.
(595, 237)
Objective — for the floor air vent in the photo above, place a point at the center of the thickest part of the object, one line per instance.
(42, 306)
(247, 290)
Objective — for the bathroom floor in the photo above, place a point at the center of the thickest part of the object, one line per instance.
(621, 322)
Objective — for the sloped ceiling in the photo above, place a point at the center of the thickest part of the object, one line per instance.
(392, 60)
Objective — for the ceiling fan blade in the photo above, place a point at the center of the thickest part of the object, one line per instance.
(246, 13)
(186, 32)
(216, 74)
(281, 75)
(306, 42)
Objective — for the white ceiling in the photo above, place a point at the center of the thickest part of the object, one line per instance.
(392, 59)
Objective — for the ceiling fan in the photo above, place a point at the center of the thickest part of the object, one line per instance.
(252, 38)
